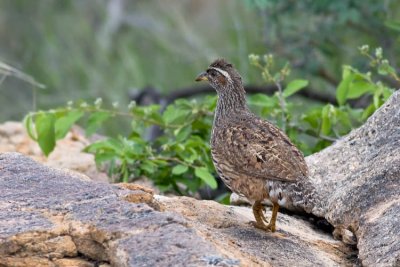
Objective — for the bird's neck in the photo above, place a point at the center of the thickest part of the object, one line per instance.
(230, 102)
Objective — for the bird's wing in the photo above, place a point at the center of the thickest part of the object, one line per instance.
(259, 149)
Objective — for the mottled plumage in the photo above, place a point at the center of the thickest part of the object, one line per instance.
(253, 157)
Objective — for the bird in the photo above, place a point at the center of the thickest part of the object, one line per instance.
(253, 157)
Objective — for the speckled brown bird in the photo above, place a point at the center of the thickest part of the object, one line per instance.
(253, 157)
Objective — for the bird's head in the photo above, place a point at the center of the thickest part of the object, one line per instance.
(222, 76)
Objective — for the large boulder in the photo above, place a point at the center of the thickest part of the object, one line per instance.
(51, 217)
(47, 215)
(358, 182)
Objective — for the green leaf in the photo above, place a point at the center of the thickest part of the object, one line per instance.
(294, 86)
(386, 69)
(64, 123)
(106, 156)
(387, 92)
(376, 99)
(193, 155)
(261, 100)
(359, 88)
(191, 184)
(29, 126)
(392, 24)
(313, 117)
(148, 166)
(103, 145)
(343, 87)
(183, 133)
(174, 115)
(206, 176)
(368, 111)
(224, 198)
(95, 121)
(137, 149)
(133, 147)
(45, 130)
(179, 169)
(326, 120)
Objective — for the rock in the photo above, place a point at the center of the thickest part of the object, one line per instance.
(141, 194)
(25, 262)
(358, 180)
(41, 206)
(56, 247)
(296, 243)
(74, 262)
(50, 217)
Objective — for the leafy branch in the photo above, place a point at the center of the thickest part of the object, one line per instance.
(379, 62)
(179, 152)
(267, 65)
(323, 124)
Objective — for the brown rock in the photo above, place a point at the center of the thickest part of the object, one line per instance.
(25, 262)
(141, 194)
(57, 247)
(75, 262)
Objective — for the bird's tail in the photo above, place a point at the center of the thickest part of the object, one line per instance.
(304, 195)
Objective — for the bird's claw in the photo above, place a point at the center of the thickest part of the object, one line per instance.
(262, 226)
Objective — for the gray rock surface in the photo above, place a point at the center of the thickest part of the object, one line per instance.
(358, 180)
(46, 214)
(50, 217)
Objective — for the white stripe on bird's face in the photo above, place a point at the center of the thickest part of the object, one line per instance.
(224, 73)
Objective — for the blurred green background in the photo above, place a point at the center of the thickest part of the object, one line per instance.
(107, 48)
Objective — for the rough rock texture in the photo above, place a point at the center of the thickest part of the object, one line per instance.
(50, 217)
(47, 215)
(296, 243)
(358, 179)
(67, 154)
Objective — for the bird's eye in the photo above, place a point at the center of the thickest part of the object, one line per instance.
(213, 74)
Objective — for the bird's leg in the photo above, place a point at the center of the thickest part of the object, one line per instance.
(259, 216)
(271, 225)
(262, 214)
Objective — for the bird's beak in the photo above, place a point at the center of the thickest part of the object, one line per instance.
(202, 77)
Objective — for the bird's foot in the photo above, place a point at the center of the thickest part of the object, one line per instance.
(272, 227)
(262, 226)
(258, 212)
